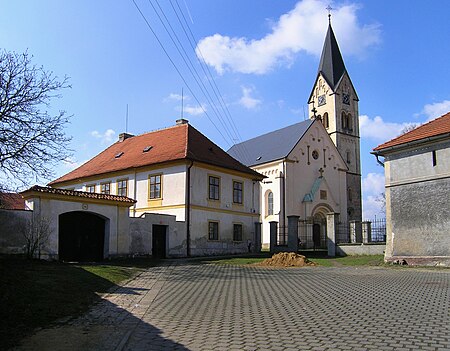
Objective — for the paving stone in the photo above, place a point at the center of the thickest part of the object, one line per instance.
(183, 306)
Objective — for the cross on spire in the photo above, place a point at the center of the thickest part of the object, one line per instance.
(329, 8)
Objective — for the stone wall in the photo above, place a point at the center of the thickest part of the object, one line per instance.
(360, 249)
(13, 225)
(140, 233)
(420, 219)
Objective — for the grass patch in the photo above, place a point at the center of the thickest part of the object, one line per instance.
(373, 260)
(35, 294)
(240, 261)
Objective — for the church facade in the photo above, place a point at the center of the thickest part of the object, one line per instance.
(313, 167)
(306, 177)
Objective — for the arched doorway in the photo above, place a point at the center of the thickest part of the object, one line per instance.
(320, 230)
(81, 236)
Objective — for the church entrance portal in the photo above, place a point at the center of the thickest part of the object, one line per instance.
(81, 236)
(320, 231)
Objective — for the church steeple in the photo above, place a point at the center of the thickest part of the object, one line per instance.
(334, 100)
(331, 63)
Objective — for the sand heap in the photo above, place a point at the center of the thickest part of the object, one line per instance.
(287, 259)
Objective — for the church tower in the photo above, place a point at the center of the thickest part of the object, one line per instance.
(334, 100)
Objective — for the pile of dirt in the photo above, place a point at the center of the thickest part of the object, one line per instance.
(287, 259)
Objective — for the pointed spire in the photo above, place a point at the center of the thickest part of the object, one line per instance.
(331, 63)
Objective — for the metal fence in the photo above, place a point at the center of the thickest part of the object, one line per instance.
(378, 230)
(342, 233)
(312, 235)
(346, 232)
(282, 235)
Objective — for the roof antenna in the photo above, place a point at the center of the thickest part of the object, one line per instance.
(126, 122)
(329, 8)
(182, 102)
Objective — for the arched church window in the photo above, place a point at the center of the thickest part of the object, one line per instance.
(349, 194)
(343, 120)
(270, 203)
(349, 121)
(349, 157)
(325, 120)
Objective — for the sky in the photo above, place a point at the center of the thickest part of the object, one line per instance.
(244, 67)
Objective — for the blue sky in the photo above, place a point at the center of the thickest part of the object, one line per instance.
(262, 54)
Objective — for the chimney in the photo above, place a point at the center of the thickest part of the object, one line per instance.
(181, 121)
(123, 136)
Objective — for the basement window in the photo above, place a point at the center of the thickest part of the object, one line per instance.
(119, 154)
(147, 148)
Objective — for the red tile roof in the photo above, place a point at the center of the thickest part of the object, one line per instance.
(11, 201)
(82, 194)
(180, 142)
(436, 127)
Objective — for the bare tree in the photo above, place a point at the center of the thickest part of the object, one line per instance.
(32, 139)
(381, 200)
(36, 237)
(409, 128)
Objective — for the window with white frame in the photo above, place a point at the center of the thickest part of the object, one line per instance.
(213, 230)
(105, 188)
(270, 203)
(155, 186)
(237, 232)
(122, 187)
(214, 188)
(237, 192)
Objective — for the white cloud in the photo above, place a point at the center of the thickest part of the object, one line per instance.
(105, 137)
(372, 207)
(301, 29)
(176, 97)
(194, 110)
(70, 163)
(380, 130)
(372, 188)
(436, 109)
(248, 101)
(373, 184)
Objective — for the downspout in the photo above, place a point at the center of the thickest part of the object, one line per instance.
(135, 192)
(378, 160)
(284, 197)
(188, 210)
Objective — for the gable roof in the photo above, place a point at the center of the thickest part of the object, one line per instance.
(271, 146)
(435, 128)
(36, 189)
(11, 201)
(180, 142)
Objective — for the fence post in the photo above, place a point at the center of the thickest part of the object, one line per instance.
(293, 233)
(352, 228)
(332, 223)
(257, 238)
(366, 232)
(273, 235)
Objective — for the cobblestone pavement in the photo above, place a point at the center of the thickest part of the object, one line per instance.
(182, 306)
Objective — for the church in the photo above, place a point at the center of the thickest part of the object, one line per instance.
(312, 167)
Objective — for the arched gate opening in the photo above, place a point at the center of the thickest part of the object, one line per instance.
(81, 236)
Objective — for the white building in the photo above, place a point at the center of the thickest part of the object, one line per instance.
(178, 171)
(417, 189)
